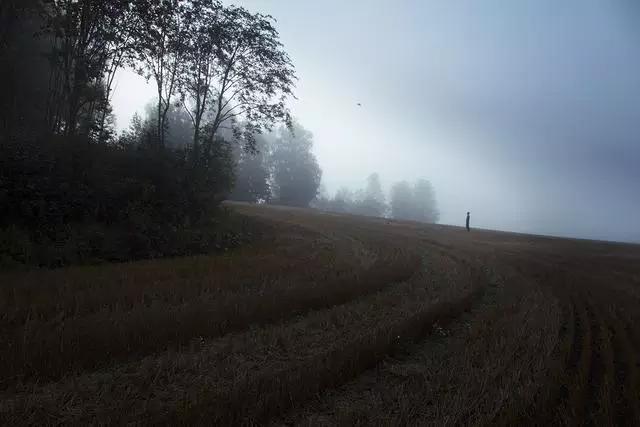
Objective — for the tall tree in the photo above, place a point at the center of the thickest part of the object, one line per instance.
(343, 201)
(416, 203)
(402, 200)
(295, 171)
(372, 201)
(88, 41)
(202, 64)
(121, 21)
(251, 182)
(424, 198)
(161, 50)
(253, 75)
(23, 69)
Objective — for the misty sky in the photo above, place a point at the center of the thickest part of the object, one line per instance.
(526, 113)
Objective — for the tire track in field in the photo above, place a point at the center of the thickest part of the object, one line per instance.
(626, 374)
(612, 381)
(581, 368)
(284, 363)
(562, 399)
(549, 400)
(599, 383)
(332, 408)
(597, 404)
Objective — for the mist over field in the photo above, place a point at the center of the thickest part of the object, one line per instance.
(523, 113)
(284, 213)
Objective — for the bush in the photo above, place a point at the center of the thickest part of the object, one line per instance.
(65, 202)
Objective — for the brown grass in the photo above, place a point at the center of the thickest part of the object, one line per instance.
(89, 318)
(331, 320)
(255, 374)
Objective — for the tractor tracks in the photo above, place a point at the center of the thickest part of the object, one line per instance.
(598, 371)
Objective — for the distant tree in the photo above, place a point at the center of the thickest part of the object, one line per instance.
(424, 200)
(343, 201)
(371, 201)
(402, 206)
(179, 128)
(295, 170)
(251, 182)
(140, 132)
(415, 203)
(322, 200)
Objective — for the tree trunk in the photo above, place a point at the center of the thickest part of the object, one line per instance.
(160, 123)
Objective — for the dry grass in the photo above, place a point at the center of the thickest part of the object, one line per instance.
(330, 320)
(476, 370)
(254, 374)
(56, 323)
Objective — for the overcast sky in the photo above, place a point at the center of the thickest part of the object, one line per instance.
(526, 113)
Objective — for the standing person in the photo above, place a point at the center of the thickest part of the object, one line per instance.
(468, 217)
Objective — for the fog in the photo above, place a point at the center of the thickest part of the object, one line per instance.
(524, 113)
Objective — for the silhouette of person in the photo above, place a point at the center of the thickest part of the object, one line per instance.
(468, 217)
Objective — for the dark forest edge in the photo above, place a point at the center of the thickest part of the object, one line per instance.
(73, 190)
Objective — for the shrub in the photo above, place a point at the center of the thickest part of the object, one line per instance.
(69, 201)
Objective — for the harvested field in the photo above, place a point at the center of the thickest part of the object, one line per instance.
(332, 320)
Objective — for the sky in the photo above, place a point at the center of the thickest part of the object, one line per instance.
(526, 113)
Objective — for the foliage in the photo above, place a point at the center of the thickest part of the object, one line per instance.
(89, 41)
(401, 200)
(70, 202)
(71, 189)
(295, 171)
(371, 201)
(23, 70)
(425, 201)
(160, 53)
(415, 203)
(251, 183)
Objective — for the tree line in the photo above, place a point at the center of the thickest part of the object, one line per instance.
(68, 180)
(281, 167)
(221, 63)
(74, 190)
(414, 202)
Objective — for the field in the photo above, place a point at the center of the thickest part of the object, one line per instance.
(332, 320)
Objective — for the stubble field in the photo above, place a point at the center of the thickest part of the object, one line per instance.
(332, 320)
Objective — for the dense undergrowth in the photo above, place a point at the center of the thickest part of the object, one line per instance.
(66, 202)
